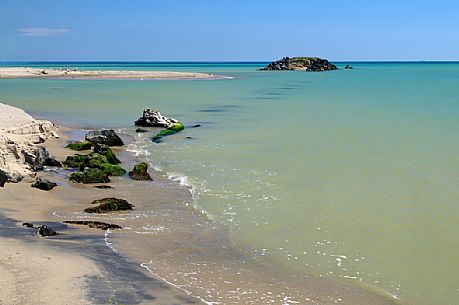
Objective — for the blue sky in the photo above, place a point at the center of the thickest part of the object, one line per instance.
(204, 30)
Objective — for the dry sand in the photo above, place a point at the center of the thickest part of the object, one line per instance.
(24, 72)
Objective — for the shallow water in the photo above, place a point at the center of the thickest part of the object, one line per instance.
(349, 174)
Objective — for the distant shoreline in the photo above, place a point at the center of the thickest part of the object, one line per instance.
(74, 73)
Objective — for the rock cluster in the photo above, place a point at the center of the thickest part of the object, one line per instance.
(310, 64)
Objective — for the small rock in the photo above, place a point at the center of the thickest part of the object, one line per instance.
(45, 231)
(348, 67)
(109, 205)
(141, 130)
(140, 172)
(44, 184)
(196, 126)
(105, 136)
(27, 225)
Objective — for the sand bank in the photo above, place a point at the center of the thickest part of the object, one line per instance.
(24, 72)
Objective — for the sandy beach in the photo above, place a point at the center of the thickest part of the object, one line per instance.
(24, 72)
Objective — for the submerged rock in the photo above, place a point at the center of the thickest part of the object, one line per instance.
(109, 205)
(3, 178)
(348, 67)
(105, 136)
(172, 129)
(44, 184)
(94, 224)
(27, 225)
(153, 118)
(92, 175)
(310, 64)
(80, 145)
(140, 172)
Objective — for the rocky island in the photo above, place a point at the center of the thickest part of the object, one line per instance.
(309, 64)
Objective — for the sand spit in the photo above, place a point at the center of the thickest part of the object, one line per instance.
(24, 72)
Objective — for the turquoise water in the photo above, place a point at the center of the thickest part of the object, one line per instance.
(351, 174)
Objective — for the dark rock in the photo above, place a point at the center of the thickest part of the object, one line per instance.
(45, 231)
(189, 138)
(93, 224)
(140, 172)
(310, 64)
(27, 225)
(172, 129)
(15, 177)
(109, 205)
(348, 67)
(152, 118)
(103, 187)
(80, 145)
(3, 178)
(44, 184)
(92, 175)
(105, 136)
(196, 126)
(141, 130)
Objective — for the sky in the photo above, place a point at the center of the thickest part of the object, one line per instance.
(228, 30)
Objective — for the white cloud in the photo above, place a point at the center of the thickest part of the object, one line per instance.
(42, 32)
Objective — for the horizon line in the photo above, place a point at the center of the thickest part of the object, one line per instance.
(219, 61)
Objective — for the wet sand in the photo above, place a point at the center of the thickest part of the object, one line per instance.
(24, 72)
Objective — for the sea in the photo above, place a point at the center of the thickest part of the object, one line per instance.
(350, 175)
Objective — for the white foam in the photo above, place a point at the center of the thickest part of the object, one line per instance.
(145, 265)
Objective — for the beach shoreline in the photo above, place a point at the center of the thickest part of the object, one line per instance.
(66, 73)
(210, 248)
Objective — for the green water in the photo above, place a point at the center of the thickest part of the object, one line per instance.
(350, 174)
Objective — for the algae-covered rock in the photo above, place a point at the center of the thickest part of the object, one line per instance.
(105, 136)
(76, 161)
(106, 151)
(140, 172)
(80, 145)
(112, 170)
(109, 205)
(98, 161)
(172, 129)
(92, 175)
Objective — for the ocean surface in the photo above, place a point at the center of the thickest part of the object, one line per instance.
(349, 174)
